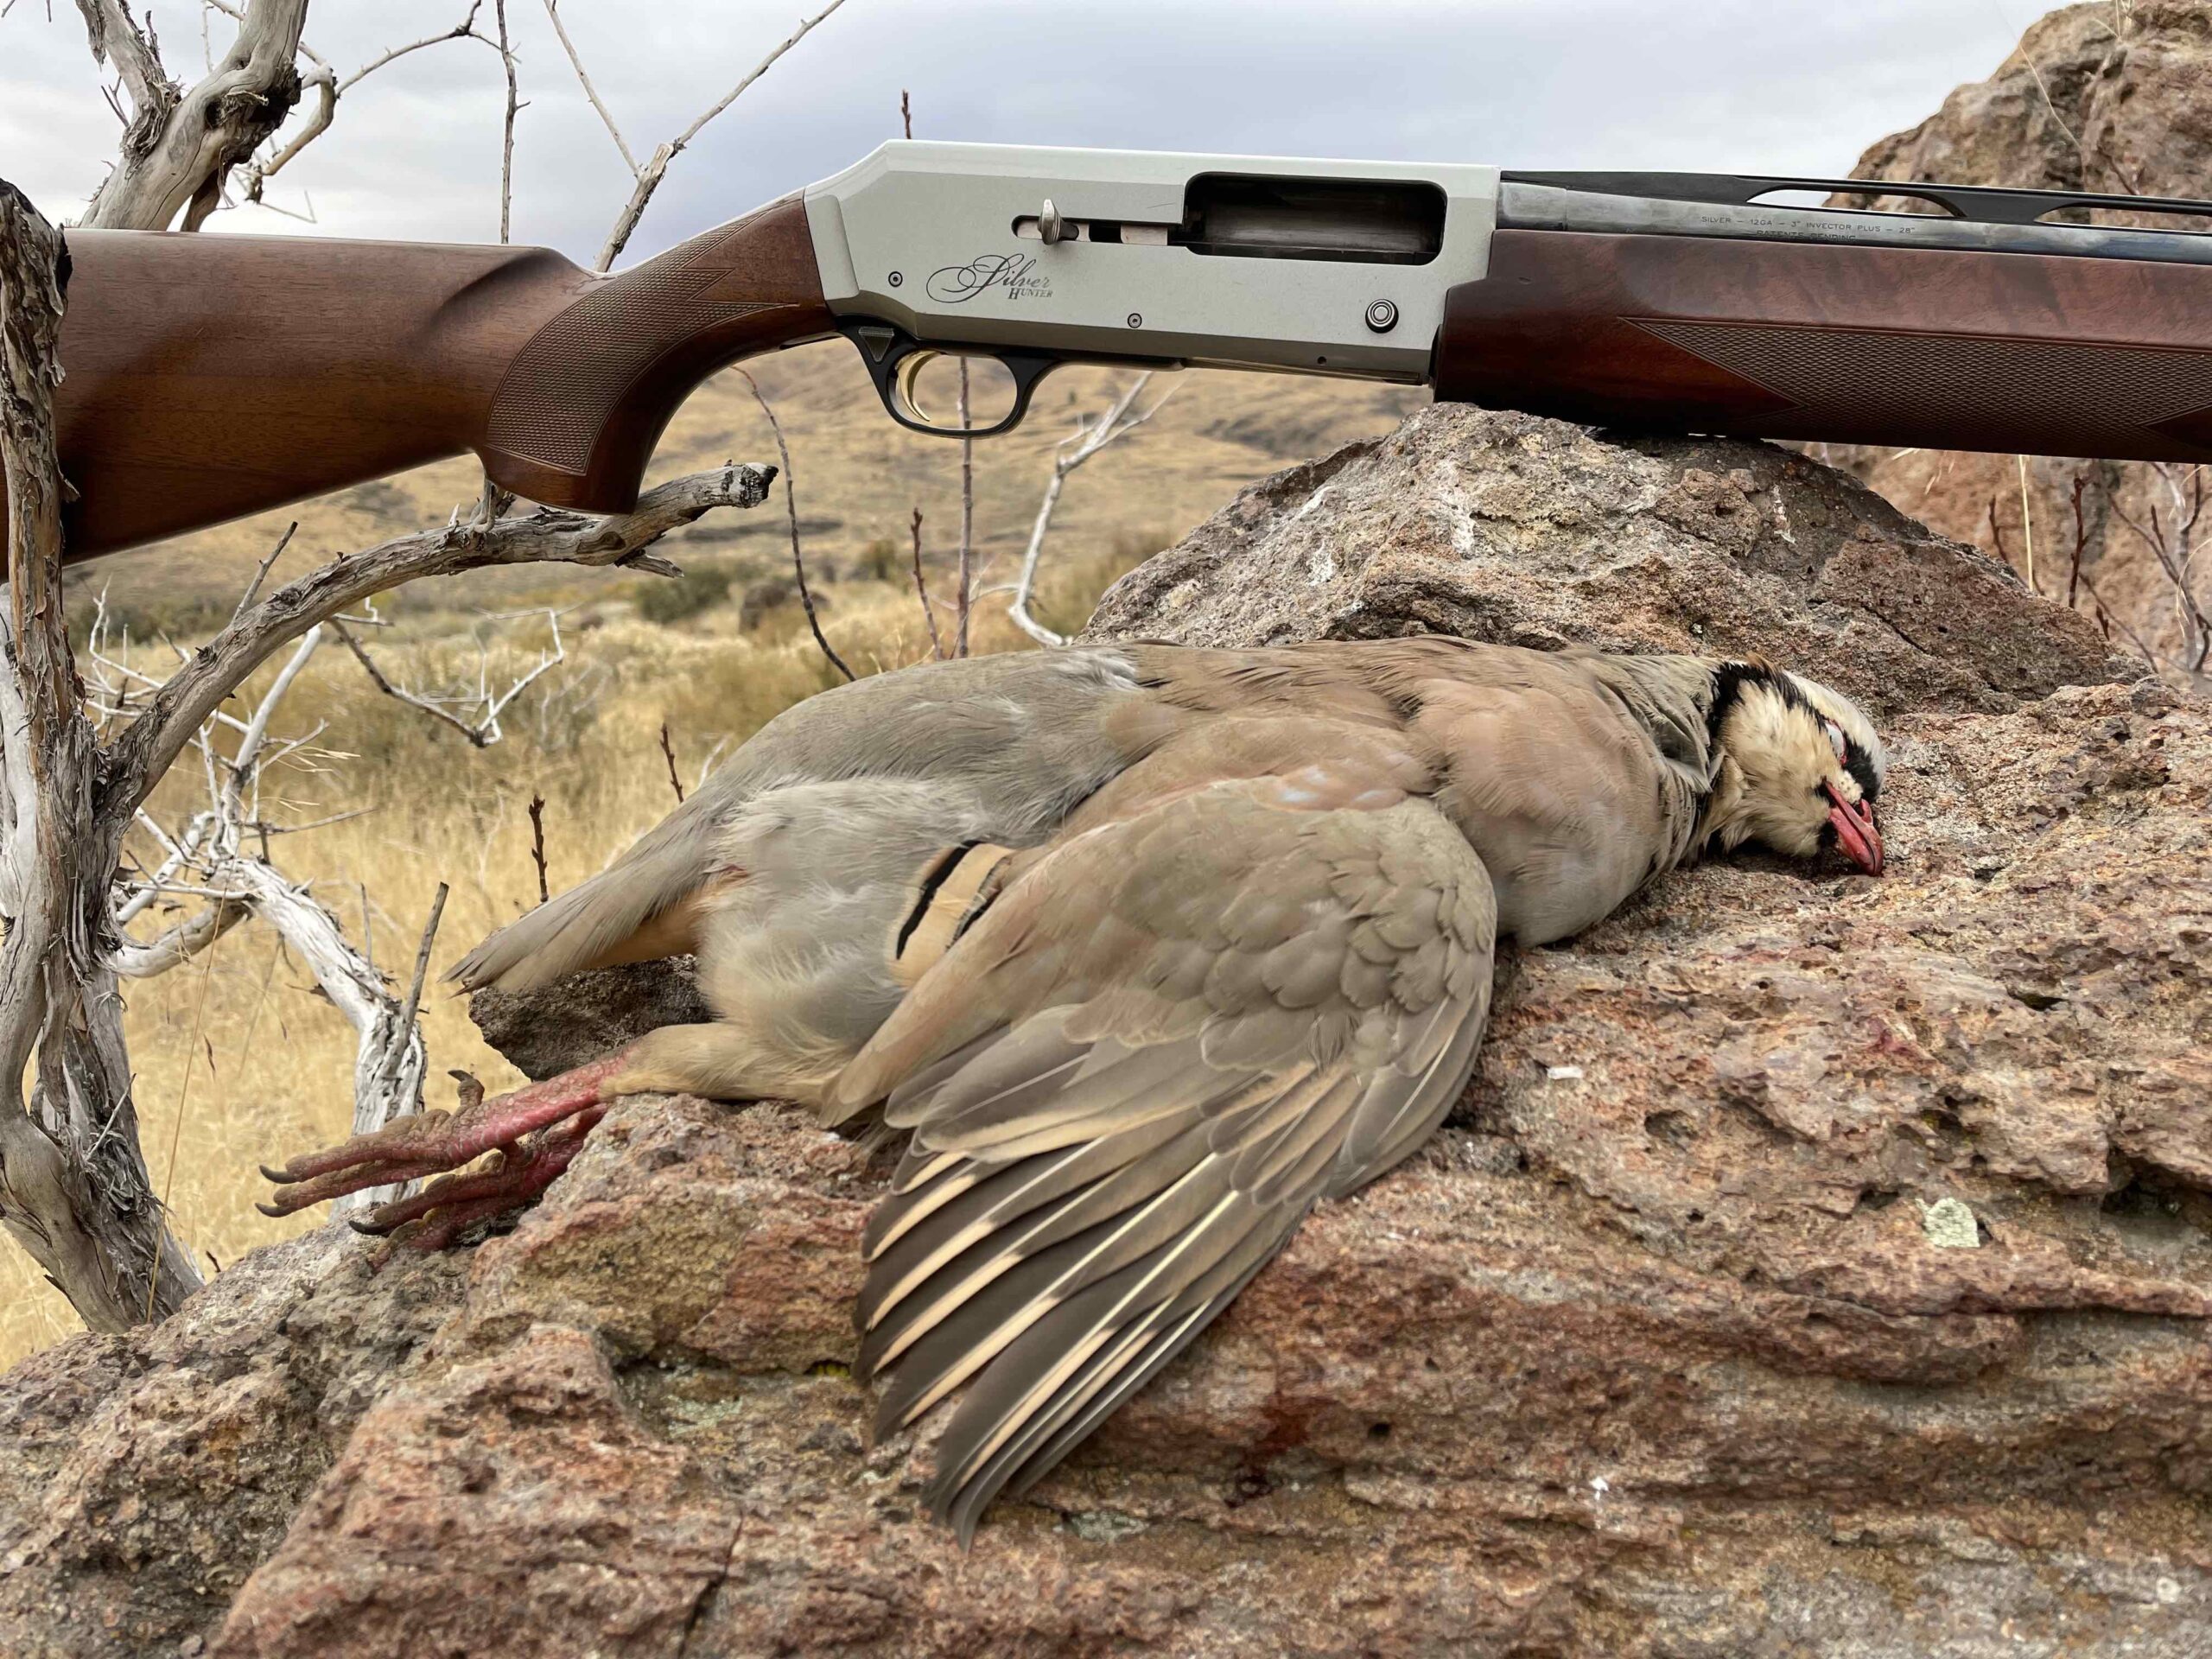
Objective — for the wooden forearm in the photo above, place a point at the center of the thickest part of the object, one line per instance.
(1940, 349)
(211, 377)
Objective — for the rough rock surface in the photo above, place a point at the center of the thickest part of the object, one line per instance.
(1521, 531)
(2109, 98)
(143, 1478)
(1816, 1266)
(593, 1012)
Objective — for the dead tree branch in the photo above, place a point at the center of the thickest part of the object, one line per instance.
(179, 146)
(2080, 543)
(178, 944)
(591, 92)
(480, 725)
(325, 83)
(2173, 544)
(506, 134)
(791, 512)
(73, 1182)
(647, 177)
(78, 764)
(207, 858)
(538, 843)
(73, 1185)
(922, 588)
(463, 31)
(1117, 422)
(547, 535)
(261, 575)
(422, 955)
(668, 754)
(328, 89)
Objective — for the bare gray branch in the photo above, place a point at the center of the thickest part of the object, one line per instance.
(650, 176)
(547, 535)
(180, 146)
(790, 512)
(1117, 422)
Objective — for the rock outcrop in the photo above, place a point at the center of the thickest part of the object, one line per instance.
(1519, 530)
(596, 1011)
(1815, 1266)
(2096, 98)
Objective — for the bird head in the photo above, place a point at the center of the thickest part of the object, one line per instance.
(1800, 771)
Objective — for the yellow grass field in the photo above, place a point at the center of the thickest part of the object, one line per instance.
(270, 1062)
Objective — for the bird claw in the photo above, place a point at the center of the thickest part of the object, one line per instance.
(536, 1131)
(440, 1213)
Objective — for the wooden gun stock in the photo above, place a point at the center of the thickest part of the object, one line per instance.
(1939, 348)
(212, 375)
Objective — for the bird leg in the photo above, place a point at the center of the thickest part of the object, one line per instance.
(516, 1175)
(536, 1131)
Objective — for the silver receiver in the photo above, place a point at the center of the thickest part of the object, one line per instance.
(1033, 258)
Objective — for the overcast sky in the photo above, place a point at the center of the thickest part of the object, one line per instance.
(1763, 86)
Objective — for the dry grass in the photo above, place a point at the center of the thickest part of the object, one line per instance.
(272, 1076)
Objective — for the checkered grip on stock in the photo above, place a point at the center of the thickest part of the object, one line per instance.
(562, 388)
(2044, 397)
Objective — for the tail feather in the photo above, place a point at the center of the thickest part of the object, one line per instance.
(588, 925)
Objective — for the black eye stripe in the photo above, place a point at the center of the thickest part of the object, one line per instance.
(1729, 681)
(1861, 765)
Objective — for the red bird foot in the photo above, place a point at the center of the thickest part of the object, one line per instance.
(536, 1133)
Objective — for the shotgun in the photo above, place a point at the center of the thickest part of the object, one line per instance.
(212, 375)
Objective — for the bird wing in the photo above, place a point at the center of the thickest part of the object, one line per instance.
(1575, 781)
(1130, 1079)
(1577, 776)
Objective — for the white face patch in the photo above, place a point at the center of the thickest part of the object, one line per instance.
(1792, 757)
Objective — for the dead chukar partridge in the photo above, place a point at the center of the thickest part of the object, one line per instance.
(1151, 949)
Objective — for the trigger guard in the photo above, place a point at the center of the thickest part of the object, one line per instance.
(884, 347)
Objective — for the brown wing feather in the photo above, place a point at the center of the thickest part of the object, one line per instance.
(1133, 1077)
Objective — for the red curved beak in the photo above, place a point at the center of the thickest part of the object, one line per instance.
(1856, 831)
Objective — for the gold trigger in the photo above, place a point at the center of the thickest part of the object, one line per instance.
(977, 390)
(921, 386)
